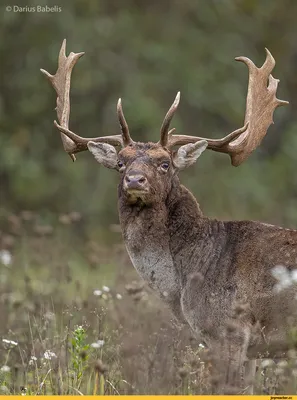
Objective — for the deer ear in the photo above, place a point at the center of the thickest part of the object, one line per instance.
(188, 154)
(104, 153)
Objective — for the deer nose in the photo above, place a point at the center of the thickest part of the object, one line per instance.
(135, 181)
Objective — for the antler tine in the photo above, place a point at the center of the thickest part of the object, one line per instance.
(260, 105)
(166, 123)
(81, 142)
(218, 145)
(61, 83)
(72, 143)
(124, 126)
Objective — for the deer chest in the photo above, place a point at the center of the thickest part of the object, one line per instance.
(154, 264)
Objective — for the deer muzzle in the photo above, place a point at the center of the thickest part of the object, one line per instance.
(135, 181)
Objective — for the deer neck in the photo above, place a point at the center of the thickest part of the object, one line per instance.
(148, 231)
(196, 241)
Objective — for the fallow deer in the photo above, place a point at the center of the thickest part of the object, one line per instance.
(202, 268)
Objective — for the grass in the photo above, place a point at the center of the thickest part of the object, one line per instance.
(77, 319)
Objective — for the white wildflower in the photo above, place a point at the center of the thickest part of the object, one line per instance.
(50, 316)
(5, 368)
(119, 296)
(201, 345)
(5, 257)
(33, 359)
(23, 391)
(12, 343)
(279, 272)
(97, 292)
(294, 275)
(98, 344)
(267, 363)
(105, 289)
(282, 364)
(282, 275)
(48, 355)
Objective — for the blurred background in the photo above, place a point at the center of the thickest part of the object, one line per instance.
(60, 238)
(144, 52)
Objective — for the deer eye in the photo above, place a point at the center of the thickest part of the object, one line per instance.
(121, 165)
(165, 166)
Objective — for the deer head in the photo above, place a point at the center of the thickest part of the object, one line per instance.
(148, 168)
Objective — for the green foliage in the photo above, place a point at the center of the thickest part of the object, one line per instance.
(145, 52)
(80, 350)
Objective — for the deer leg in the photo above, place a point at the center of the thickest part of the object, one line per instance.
(249, 376)
(228, 357)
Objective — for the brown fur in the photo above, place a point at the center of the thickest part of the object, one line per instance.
(202, 268)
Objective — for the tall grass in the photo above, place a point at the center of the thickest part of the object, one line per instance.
(77, 319)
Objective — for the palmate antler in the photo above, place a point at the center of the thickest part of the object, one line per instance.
(260, 105)
(61, 82)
